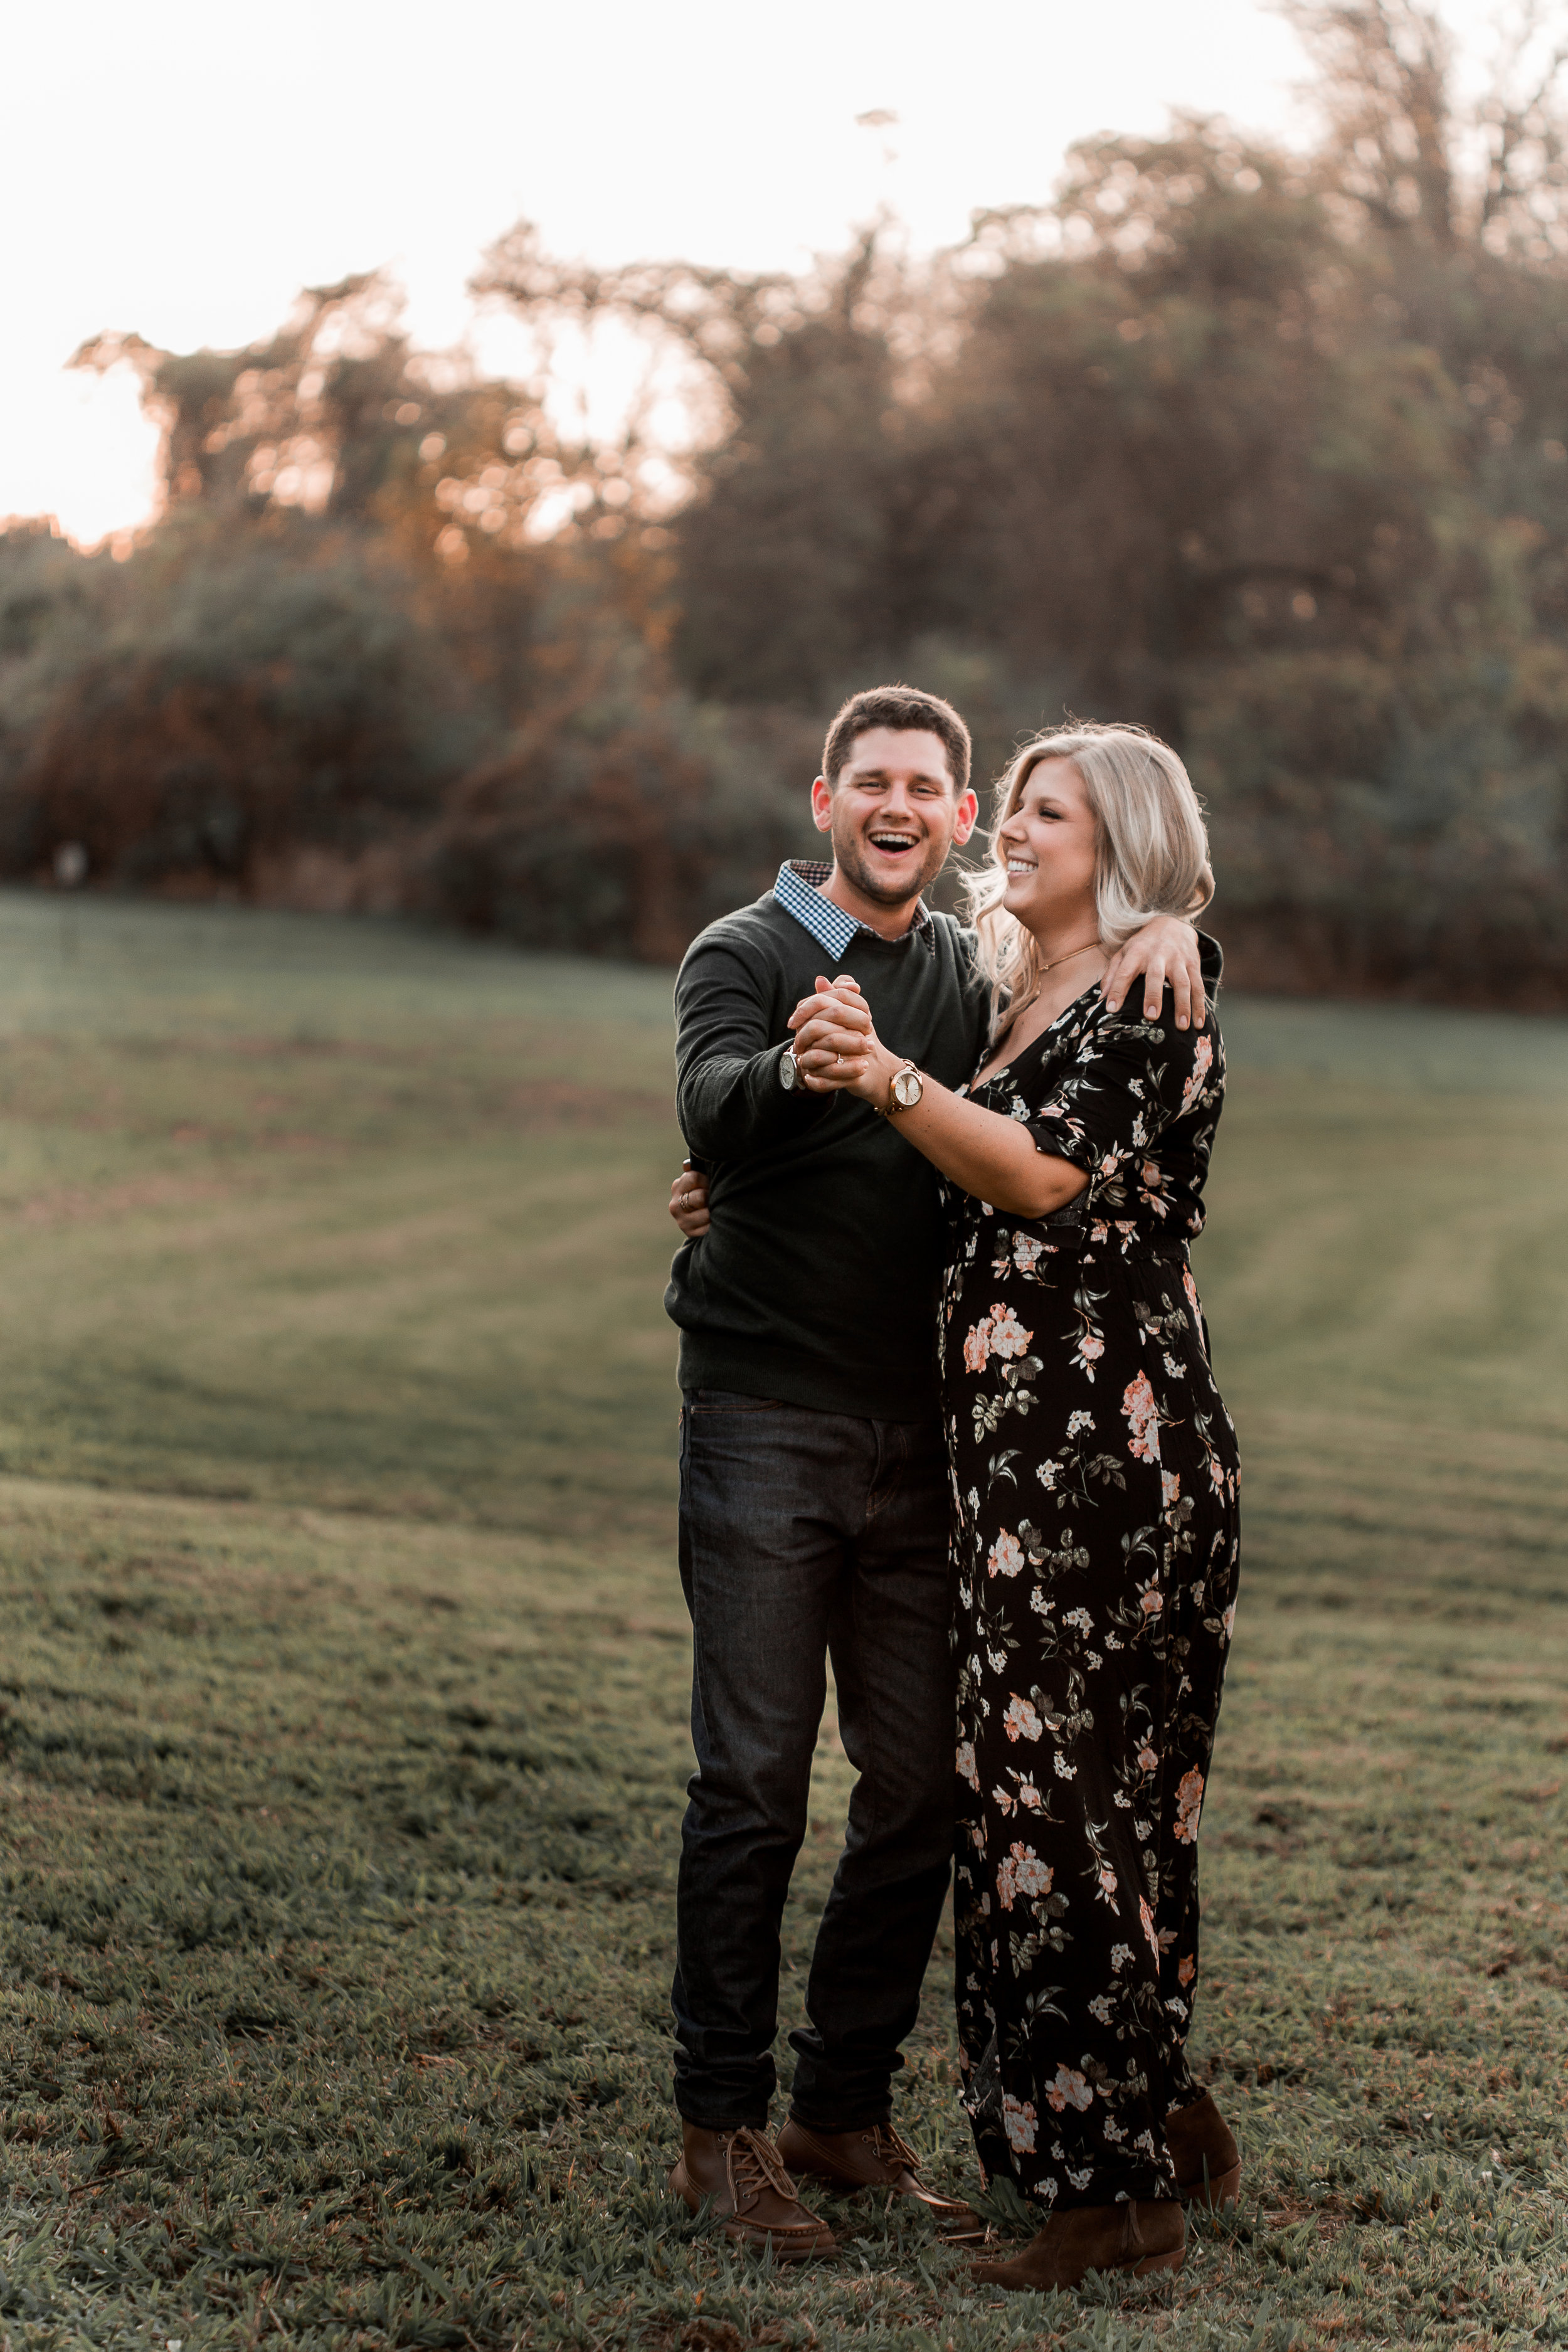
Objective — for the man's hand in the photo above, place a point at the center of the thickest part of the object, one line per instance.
(833, 1036)
(1166, 949)
(689, 1202)
(836, 1045)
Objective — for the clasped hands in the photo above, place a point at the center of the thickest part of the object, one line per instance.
(836, 1048)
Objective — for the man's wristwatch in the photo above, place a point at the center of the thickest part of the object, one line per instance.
(789, 1071)
(907, 1089)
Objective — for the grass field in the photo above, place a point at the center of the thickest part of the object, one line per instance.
(343, 1675)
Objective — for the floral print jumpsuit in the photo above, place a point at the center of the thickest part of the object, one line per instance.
(1095, 1540)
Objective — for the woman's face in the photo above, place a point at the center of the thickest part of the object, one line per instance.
(1049, 844)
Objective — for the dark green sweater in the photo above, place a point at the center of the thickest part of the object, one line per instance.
(818, 1280)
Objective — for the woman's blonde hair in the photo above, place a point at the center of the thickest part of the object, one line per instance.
(1152, 857)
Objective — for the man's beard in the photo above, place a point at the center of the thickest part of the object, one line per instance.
(853, 867)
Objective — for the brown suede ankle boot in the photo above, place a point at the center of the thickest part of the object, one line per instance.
(1134, 2238)
(877, 2158)
(1204, 2153)
(753, 2197)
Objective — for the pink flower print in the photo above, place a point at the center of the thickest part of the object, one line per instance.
(1147, 1919)
(1189, 1805)
(1034, 1875)
(1110, 1887)
(1070, 2090)
(1027, 1250)
(1020, 1721)
(1152, 1601)
(1008, 1337)
(1186, 1968)
(1138, 1403)
(978, 1347)
(1018, 2121)
(1147, 1761)
(965, 1764)
(1021, 1872)
(1030, 1797)
(1169, 1488)
(1006, 1556)
(1228, 1620)
(1003, 1799)
(1190, 1287)
(1203, 1057)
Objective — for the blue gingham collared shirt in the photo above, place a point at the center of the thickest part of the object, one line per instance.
(798, 893)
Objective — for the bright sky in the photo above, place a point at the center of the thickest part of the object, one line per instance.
(181, 170)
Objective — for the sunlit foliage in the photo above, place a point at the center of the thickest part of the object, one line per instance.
(1267, 450)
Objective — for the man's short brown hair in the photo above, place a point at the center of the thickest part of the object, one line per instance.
(907, 708)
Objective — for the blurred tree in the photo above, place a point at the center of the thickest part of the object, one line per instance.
(240, 705)
(389, 630)
(788, 568)
(1269, 451)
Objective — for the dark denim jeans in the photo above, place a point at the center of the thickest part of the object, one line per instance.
(804, 1535)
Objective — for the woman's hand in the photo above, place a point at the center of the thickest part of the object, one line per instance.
(689, 1202)
(836, 1048)
(1166, 949)
(990, 1155)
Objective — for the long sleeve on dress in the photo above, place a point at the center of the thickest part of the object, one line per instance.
(1107, 1110)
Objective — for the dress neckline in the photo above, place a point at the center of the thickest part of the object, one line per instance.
(974, 1084)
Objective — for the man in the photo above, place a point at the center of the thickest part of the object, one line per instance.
(814, 1479)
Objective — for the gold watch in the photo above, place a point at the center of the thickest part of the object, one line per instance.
(906, 1090)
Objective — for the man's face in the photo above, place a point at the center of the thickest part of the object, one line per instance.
(893, 813)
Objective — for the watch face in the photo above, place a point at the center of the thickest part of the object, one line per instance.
(789, 1073)
(907, 1088)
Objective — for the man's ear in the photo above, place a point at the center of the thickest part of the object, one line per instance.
(822, 805)
(968, 818)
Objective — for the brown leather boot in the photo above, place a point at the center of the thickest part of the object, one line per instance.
(1134, 2238)
(753, 2197)
(877, 2158)
(1204, 2153)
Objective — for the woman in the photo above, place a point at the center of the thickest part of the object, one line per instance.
(1094, 1480)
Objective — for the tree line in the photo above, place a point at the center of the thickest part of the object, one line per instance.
(1267, 450)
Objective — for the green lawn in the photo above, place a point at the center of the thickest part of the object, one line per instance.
(343, 1674)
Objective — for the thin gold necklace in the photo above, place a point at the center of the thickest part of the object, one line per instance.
(1070, 955)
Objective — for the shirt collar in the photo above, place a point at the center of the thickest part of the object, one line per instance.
(798, 892)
